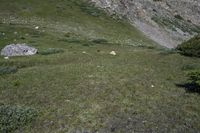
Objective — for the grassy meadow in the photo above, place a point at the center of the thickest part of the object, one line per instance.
(74, 85)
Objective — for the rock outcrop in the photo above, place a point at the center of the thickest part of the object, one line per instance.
(168, 22)
(18, 50)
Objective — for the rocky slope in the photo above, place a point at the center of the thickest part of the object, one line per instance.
(168, 22)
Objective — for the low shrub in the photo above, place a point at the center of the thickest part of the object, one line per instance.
(194, 78)
(7, 70)
(190, 47)
(51, 51)
(100, 41)
(12, 117)
(146, 46)
(71, 40)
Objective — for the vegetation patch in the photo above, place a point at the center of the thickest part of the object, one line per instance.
(7, 70)
(100, 41)
(190, 47)
(70, 40)
(193, 82)
(146, 46)
(194, 77)
(84, 42)
(168, 51)
(188, 67)
(13, 117)
(91, 10)
(51, 51)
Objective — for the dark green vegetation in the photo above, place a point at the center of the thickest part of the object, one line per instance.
(51, 51)
(7, 70)
(193, 82)
(195, 77)
(12, 117)
(84, 88)
(190, 47)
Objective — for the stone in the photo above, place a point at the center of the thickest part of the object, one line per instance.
(18, 50)
(37, 27)
(113, 53)
(84, 52)
(6, 58)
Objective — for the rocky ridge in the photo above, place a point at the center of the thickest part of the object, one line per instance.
(168, 22)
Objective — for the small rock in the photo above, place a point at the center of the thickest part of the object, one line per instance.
(113, 53)
(144, 121)
(152, 86)
(90, 76)
(6, 58)
(84, 52)
(37, 27)
(67, 100)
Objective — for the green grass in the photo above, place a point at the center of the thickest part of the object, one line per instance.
(72, 19)
(84, 88)
(89, 91)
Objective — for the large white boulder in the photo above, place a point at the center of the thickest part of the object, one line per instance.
(18, 50)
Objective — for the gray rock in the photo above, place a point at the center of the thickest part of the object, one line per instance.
(167, 22)
(18, 50)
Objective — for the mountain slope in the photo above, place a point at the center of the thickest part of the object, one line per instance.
(70, 16)
(168, 22)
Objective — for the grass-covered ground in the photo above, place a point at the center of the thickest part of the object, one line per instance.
(74, 84)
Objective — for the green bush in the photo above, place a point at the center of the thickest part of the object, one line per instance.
(190, 47)
(7, 70)
(194, 77)
(12, 117)
(51, 51)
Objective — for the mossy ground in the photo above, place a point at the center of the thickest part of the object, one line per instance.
(85, 88)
